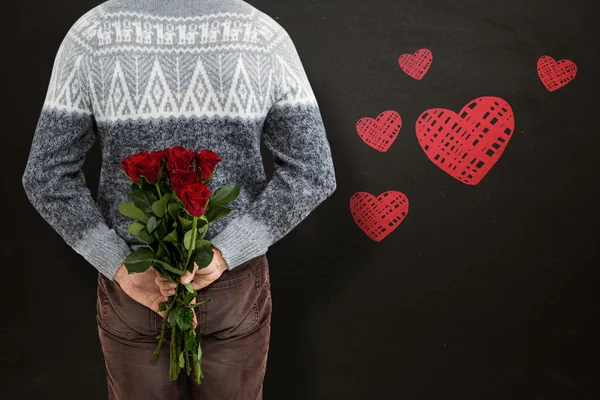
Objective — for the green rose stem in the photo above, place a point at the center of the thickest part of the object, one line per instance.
(193, 241)
(176, 341)
(161, 338)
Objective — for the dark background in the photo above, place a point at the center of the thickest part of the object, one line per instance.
(483, 292)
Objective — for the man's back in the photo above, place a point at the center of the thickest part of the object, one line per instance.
(143, 75)
(176, 58)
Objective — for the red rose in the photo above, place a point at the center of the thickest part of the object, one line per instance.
(131, 165)
(195, 197)
(151, 165)
(206, 161)
(181, 179)
(176, 166)
(179, 154)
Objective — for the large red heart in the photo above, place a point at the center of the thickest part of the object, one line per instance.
(380, 133)
(468, 144)
(555, 74)
(378, 216)
(416, 65)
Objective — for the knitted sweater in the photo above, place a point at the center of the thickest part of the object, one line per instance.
(143, 75)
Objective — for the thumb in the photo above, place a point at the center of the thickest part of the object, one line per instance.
(189, 276)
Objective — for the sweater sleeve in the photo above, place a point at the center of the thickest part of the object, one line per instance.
(303, 174)
(53, 179)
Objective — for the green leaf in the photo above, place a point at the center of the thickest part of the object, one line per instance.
(172, 236)
(226, 194)
(181, 360)
(189, 344)
(203, 243)
(130, 210)
(150, 190)
(152, 224)
(181, 255)
(204, 256)
(142, 199)
(187, 299)
(139, 260)
(161, 230)
(162, 250)
(185, 223)
(163, 305)
(197, 369)
(189, 288)
(159, 207)
(145, 236)
(187, 239)
(168, 267)
(172, 318)
(202, 231)
(185, 318)
(135, 227)
(174, 208)
(214, 211)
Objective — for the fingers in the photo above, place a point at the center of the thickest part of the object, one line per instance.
(198, 283)
(205, 277)
(188, 276)
(166, 287)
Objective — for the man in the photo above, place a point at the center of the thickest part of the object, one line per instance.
(144, 75)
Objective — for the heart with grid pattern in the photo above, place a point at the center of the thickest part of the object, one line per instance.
(468, 144)
(555, 74)
(416, 65)
(380, 132)
(378, 216)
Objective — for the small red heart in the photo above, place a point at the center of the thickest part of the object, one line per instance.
(417, 64)
(381, 132)
(468, 144)
(555, 74)
(378, 216)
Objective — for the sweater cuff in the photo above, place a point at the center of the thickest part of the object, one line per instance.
(104, 249)
(241, 240)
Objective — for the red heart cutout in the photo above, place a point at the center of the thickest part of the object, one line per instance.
(380, 133)
(555, 74)
(468, 144)
(378, 216)
(417, 64)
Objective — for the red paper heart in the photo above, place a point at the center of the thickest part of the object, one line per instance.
(555, 74)
(381, 132)
(416, 65)
(468, 144)
(378, 216)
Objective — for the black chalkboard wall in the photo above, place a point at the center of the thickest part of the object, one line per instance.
(485, 291)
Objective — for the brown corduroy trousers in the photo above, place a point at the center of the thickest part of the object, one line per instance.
(235, 329)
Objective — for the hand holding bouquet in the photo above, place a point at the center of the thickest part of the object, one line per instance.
(173, 209)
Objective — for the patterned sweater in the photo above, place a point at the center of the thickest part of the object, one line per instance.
(143, 75)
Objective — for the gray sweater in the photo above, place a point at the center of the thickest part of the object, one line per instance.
(143, 75)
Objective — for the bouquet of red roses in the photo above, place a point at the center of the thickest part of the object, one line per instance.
(173, 208)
